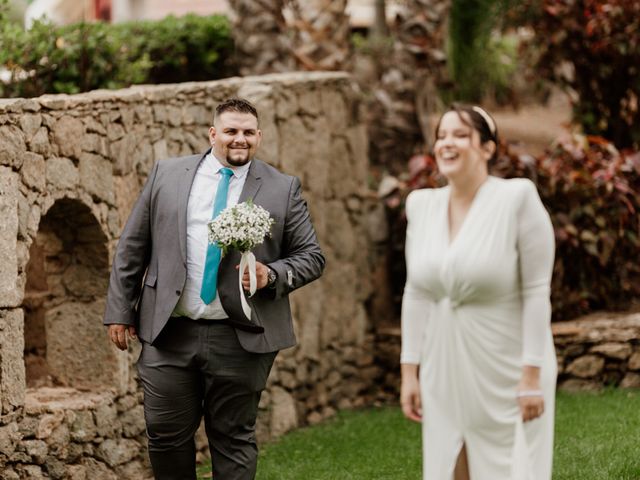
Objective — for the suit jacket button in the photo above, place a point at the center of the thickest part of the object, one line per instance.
(178, 292)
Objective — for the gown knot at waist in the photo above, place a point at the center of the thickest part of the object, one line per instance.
(451, 303)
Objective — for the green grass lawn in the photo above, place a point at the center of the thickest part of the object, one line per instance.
(597, 438)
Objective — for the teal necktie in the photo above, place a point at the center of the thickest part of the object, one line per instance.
(211, 264)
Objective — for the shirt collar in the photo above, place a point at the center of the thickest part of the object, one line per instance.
(238, 172)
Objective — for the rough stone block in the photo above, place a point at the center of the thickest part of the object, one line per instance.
(34, 171)
(355, 328)
(9, 204)
(160, 150)
(122, 153)
(620, 351)
(9, 473)
(12, 375)
(93, 126)
(83, 427)
(284, 415)
(67, 133)
(342, 181)
(630, 380)
(61, 173)
(106, 417)
(316, 174)
(59, 440)
(55, 468)
(94, 143)
(96, 176)
(37, 449)
(12, 146)
(133, 422)
(98, 470)
(160, 114)
(359, 148)
(335, 108)
(174, 115)
(76, 472)
(341, 238)
(39, 143)
(310, 101)
(196, 114)
(84, 281)
(117, 452)
(587, 366)
(634, 361)
(69, 359)
(294, 145)
(48, 423)
(580, 385)
(30, 123)
(32, 472)
(9, 437)
(270, 147)
(135, 469)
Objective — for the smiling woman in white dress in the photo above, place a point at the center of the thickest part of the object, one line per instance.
(478, 360)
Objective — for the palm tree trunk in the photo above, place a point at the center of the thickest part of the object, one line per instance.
(321, 34)
(260, 34)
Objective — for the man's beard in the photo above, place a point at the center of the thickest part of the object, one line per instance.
(238, 162)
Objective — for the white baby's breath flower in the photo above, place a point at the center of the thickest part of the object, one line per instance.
(241, 227)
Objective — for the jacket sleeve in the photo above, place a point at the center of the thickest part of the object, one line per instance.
(302, 260)
(131, 259)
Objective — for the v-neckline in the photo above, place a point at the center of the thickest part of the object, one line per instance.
(452, 241)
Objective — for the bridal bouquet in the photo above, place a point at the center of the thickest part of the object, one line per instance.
(242, 227)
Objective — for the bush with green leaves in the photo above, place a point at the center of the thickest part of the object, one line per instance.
(87, 56)
(481, 60)
(591, 192)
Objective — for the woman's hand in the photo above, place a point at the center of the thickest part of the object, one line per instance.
(410, 393)
(530, 398)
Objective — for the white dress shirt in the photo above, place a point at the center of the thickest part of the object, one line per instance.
(199, 212)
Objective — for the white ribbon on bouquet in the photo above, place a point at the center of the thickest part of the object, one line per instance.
(248, 260)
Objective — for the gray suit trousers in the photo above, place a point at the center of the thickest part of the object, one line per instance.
(196, 369)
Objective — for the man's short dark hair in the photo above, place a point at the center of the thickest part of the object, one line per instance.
(239, 105)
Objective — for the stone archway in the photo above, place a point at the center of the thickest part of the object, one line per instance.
(67, 278)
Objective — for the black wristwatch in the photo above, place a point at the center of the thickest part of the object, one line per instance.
(272, 276)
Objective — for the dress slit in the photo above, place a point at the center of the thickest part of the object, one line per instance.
(461, 465)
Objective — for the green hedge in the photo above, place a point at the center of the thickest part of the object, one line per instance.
(87, 56)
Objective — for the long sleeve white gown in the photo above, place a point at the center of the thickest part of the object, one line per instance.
(475, 310)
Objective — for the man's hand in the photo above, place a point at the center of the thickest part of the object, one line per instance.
(261, 276)
(410, 399)
(118, 334)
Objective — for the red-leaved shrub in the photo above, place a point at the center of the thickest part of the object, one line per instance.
(591, 48)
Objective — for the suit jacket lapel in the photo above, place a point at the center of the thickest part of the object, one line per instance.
(252, 183)
(184, 188)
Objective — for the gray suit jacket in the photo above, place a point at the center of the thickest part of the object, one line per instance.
(154, 241)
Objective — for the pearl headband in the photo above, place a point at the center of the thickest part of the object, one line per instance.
(487, 118)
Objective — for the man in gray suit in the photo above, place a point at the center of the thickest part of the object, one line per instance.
(169, 287)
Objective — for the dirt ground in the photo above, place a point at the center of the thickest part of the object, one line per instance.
(534, 127)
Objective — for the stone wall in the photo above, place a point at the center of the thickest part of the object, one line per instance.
(594, 351)
(70, 170)
(598, 350)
